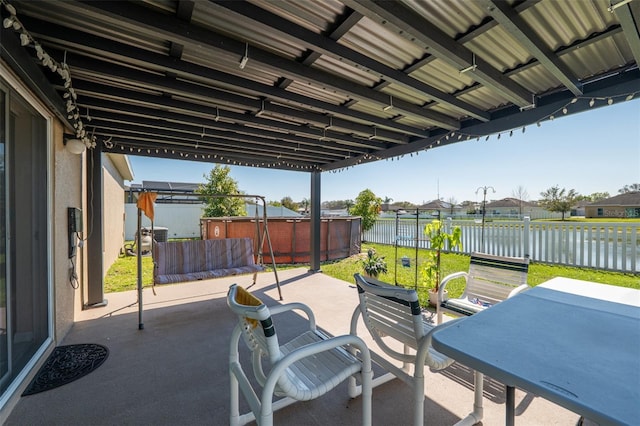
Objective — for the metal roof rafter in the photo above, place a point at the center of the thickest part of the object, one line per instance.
(410, 25)
(258, 136)
(140, 57)
(327, 46)
(510, 20)
(147, 22)
(97, 94)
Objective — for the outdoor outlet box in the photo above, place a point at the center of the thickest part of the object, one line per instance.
(75, 226)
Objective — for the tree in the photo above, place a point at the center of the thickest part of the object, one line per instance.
(597, 196)
(218, 182)
(337, 204)
(305, 203)
(452, 204)
(629, 188)
(520, 194)
(469, 206)
(367, 206)
(407, 205)
(288, 203)
(559, 200)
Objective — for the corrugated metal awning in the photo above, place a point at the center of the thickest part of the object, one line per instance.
(320, 85)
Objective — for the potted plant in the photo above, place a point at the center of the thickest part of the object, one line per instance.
(439, 240)
(373, 264)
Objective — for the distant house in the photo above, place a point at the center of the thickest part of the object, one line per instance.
(579, 208)
(514, 208)
(446, 209)
(509, 207)
(621, 206)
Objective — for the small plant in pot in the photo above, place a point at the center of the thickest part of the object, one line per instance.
(373, 264)
(439, 240)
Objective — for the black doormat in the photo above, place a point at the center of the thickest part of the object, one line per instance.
(66, 364)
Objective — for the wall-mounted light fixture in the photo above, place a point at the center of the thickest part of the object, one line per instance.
(74, 145)
(259, 113)
(471, 67)
(375, 133)
(245, 58)
(388, 107)
(330, 125)
(612, 6)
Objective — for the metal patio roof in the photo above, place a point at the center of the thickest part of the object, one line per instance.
(319, 85)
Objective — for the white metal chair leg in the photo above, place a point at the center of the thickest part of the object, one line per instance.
(234, 419)
(478, 411)
(367, 393)
(418, 401)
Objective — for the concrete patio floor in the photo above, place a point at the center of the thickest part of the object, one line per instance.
(174, 372)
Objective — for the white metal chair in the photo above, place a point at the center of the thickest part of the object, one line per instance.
(305, 368)
(393, 315)
(490, 280)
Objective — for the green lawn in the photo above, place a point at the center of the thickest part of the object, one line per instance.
(122, 274)
(538, 273)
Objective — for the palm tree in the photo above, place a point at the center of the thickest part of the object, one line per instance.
(305, 204)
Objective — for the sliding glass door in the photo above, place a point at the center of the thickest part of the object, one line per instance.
(4, 343)
(24, 287)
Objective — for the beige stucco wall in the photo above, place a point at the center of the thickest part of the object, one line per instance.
(113, 213)
(67, 192)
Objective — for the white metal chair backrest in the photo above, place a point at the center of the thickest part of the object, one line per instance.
(493, 278)
(390, 311)
(256, 324)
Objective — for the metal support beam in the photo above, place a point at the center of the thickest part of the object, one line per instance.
(511, 21)
(315, 223)
(631, 29)
(401, 19)
(95, 266)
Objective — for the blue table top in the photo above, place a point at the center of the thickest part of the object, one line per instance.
(580, 352)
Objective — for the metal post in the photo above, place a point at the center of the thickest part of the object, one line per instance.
(315, 223)
(139, 259)
(95, 261)
(415, 278)
(395, 270)
(526, 236)
(484, 208)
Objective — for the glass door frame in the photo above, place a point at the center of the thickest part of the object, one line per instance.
(10, 86)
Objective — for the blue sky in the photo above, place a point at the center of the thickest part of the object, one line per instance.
(594, 151)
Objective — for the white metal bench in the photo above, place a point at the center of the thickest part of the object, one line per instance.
(490, 280)
(305, 368)
(393, 317)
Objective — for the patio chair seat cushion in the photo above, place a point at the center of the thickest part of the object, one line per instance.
(319, 373)
(465, 306)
